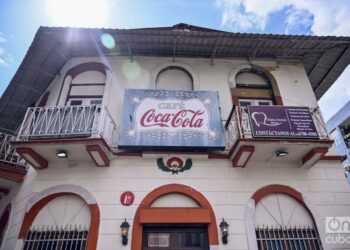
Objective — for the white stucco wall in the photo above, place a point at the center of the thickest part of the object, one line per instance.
(227, 189)
(19, 197)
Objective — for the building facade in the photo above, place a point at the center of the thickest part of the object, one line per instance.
(339, 128)
(195, 138)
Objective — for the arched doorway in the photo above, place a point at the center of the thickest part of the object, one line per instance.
(61, 217)
(193, 216)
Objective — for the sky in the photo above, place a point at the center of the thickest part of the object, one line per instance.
(20, 19)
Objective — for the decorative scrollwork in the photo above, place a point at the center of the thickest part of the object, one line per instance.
(174, 165)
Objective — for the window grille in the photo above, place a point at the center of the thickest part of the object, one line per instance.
(306, 238)
(56, 238)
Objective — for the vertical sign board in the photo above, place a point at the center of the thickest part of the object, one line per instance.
(173, 119)
(282, 122)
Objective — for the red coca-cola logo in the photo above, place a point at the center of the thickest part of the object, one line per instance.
(185, 118)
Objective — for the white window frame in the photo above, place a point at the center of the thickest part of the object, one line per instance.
(256, 102)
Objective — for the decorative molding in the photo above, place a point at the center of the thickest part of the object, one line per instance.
(313, 156)
(243, 154)
(12, 173)
(103, 156)
(326, 143)
(178, 215)
(340, 158)
(174, 165)
(34, 159)
(72, 189)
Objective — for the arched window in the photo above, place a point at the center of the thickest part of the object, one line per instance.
(283, 223)
(281, 220)
(253, 87)
(174, 78)
(174, 200)
(61, 217)
(87, 84)
(63, 223)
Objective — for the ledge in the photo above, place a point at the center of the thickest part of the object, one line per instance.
(12, 173)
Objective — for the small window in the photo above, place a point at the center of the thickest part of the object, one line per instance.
(255, 102)
(96, 102)
(245, 103)
(191, 239)
(264, 103)
(76, 102)
(158, 240)
(175, 237)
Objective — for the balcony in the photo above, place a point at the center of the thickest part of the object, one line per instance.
(79, 133)
(12, 166)
(247, 143)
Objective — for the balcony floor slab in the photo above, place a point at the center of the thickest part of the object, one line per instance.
(75, 147)
(265, 149)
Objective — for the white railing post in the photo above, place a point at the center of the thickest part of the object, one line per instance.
(26, 120)
(319, 123)
(101, 120)
(233, 127)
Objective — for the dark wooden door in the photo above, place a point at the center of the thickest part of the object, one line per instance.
(175, 237)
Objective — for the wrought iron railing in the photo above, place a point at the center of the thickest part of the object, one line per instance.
(69, 122)
(8, 154)
(291, 238)
(238, 125)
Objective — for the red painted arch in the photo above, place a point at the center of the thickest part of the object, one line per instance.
(36, 208)
(145, 213)
(80, 68)
(281, 189)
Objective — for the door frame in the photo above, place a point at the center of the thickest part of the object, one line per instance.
(173, 231)
(145, 214)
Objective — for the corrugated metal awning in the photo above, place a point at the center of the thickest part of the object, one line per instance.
(324, 58)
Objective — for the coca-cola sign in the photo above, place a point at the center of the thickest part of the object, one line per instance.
(171, 118)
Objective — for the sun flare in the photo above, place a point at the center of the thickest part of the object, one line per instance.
(77, 13)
